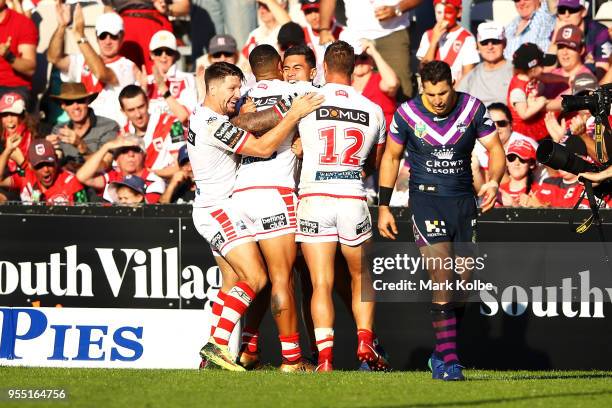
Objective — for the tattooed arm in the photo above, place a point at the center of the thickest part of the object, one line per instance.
(257, 122)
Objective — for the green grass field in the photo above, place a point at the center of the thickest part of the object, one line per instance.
(190, 388)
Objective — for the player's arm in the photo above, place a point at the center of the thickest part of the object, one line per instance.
(373, 160)
(267, 144)
(497, 168)
(257, 122)
(389, 168)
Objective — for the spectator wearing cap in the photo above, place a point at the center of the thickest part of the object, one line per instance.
(181, 188)
(129, 154)
(18, 41)
(16, 122)
(162, 134)
(381, 86)
(272, 14)
(142, 19)
(312, 29)
(525, 99)
(106, 73)
(290, 35)
(44, 181)
(598, 47)
(490, 79)
(85, 132)
(130, 191)
(520, 164)
(449, 42)
(169, 89)
(570, 46)
(385, 22)
(534, 24)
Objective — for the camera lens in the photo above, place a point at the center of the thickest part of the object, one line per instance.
(557, 156)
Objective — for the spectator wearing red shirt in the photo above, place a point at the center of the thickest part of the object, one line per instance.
(15, 121)
(380, 87)
(129, 154)
(557, 192)
(525, 99)
(520, 163)
(18, 41)
(43, 181)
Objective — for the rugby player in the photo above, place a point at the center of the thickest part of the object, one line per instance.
(337, 140)
(438, 130)
(213, 145)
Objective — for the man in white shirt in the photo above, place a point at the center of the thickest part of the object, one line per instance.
(106, 73)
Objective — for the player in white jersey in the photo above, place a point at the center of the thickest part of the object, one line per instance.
(337, 139)
(213, 142)
(265, 193)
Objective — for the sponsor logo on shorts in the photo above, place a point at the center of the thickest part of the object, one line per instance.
(343, 115)
(435, 228)
(274, 222)
(191, 136)
(229, 134)
(250, 159)
(364, 226)
(309, 227)
(338, 175)
(266, 101)
(217, 241)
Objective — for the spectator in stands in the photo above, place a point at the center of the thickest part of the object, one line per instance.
(489, 80)
(169, 89)
(236, 18)
(290, 35)
(596, 36)
(85, 132)
(16, 122)
(381, 86)
(272, 14)
(449, 42)
(181, 188)
(299, 64)
(221, 48)
(106, 73)
(525, 99)
(562, 191)
(386, 23)
(162, 134)
(18, 41)
(142, 19)
(129, 153)
(570, 46)
(43, 181)
(520, 163)
(534, 24)
(130, 191)
(311, 10)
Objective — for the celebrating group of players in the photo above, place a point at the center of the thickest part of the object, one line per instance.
(331, 137)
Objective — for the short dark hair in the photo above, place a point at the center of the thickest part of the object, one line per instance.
(304, 50)
(436, 71)
(290, 34)
(129, 92)
(501, 107)
(220, 70)
(263, 58)
(340, 57)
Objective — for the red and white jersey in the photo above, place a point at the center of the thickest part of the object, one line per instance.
(279, 169)
(155, 185)
(163, 139)
(181, 85)
(212, 144)
(337, 139)
(107, 102)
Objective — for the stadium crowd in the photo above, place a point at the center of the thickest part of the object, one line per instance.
(114, 108)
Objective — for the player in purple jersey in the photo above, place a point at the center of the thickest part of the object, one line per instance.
(438, 130)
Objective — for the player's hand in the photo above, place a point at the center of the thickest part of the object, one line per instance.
(248, 106)
(386, 223)
(296, 147)
(488, 192)
(384, 13)
(326, 37)
(306, 104)
(79, 22)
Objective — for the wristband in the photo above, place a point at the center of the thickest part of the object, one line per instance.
(10, 57)
(167, 94)
(384, 195)
(82, 40)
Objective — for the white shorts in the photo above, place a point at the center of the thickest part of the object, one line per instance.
(223, 226)
(270, 210)
(328, 219)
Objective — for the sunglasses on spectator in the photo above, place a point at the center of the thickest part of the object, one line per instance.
(159, 51)
(105, 35)
(78, 101)
(501, 123)
(512, 157)
(491, 41)
(222, 54)
(564, 9)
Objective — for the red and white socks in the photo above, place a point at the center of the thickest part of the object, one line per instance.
(290, 348)
(235, 305)
(325, 344)
(216, 309)
(250, 338)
